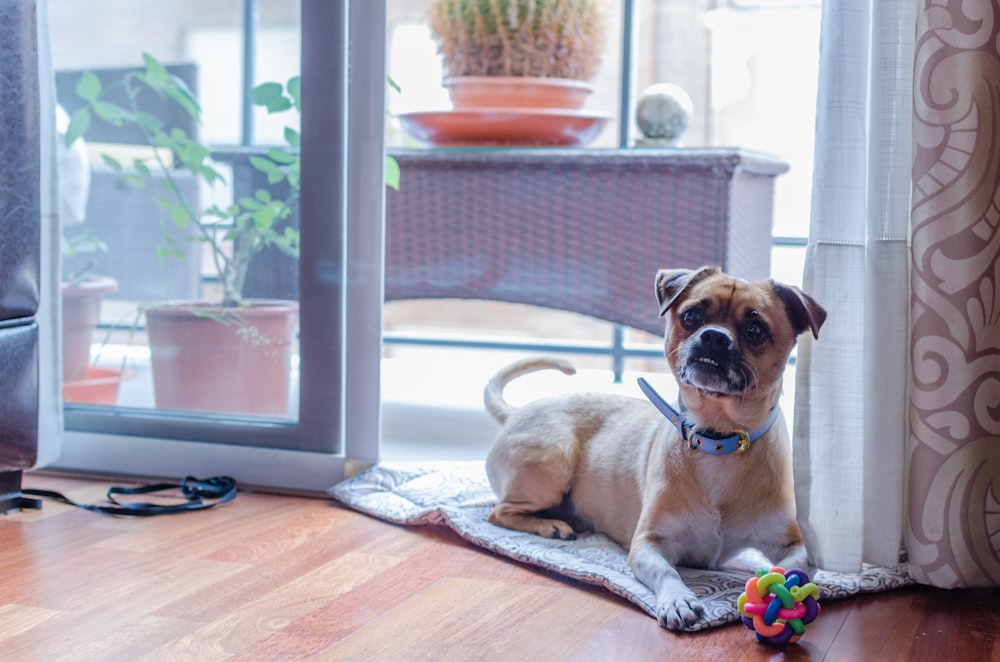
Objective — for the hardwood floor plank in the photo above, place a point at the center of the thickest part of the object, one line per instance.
(632, 635)
(355, 608)
(119, 579)
(194, 532)
(247, 586)
(17, 619)
(271, 539)
(975, 611)
(282, 604)
(879, 633)
(54, 530)
(465, 619)
(68, 640)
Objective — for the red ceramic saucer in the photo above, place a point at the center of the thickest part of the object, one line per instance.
(504, 126)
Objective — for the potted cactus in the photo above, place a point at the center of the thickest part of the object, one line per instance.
(518, 53)
(229, 355)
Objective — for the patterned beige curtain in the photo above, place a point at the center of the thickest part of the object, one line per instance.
(954, 444)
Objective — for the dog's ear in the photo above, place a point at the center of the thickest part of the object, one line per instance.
(670, 283)
(803, 312)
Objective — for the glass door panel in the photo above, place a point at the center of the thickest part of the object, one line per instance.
(261, 179)
(180, 210)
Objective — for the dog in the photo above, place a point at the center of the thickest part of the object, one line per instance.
(691, 486)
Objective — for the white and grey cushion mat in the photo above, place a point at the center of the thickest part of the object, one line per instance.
(458, 495)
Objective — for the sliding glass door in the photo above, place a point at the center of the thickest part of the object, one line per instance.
(253, 230)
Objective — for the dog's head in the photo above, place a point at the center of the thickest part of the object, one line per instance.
(730, 337)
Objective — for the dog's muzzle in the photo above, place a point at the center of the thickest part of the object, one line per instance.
(710, 361)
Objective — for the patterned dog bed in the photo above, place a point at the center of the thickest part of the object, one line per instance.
(458, 495)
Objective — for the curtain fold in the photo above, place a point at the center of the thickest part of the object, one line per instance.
(954, 512)
(850, 412)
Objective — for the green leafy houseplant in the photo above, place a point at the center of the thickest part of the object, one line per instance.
(541, 38)
(85, 242)
(232, 355)
(234, 233)
(250, 224)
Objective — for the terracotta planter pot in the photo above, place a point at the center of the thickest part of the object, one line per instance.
(225, 360)
(99, 387)
(521, 92)
(81, 313)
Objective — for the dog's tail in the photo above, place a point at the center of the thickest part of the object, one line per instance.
(499, 408)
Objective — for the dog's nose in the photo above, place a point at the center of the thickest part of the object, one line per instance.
(716, 339)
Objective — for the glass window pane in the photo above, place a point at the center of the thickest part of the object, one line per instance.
(177, 227)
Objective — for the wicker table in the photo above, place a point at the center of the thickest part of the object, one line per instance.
(577, 230)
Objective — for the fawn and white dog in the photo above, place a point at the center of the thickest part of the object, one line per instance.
(691, 486)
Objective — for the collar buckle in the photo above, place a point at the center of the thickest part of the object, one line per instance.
(744, 441)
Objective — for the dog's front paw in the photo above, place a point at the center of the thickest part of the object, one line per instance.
(678, 611)
(557, 530)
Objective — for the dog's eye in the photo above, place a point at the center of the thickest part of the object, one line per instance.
(755, 333)
(692, 318)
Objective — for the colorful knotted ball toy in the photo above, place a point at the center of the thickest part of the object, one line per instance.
(778, 605)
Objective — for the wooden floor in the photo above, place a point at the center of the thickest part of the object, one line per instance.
(286, 578)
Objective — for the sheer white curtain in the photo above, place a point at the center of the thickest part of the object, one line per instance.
(850, 413)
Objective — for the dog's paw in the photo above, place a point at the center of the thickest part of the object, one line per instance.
(676, 612)
(561, 530)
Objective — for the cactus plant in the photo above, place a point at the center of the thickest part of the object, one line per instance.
(540, 38)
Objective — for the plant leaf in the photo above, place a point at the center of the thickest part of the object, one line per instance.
(163, 252)
(280, 156)
(89, 86)
(179, 217)
(156, 75)
(271, 96)
(79, 122)
(262, 164)
(112, 162)
(146, 121)
(182, 94)
(392, 172)
(295, 91)
(141, 167)
(134, 181)
(263, 218)
(110, 113)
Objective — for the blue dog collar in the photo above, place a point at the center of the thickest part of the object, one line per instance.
(706, 441)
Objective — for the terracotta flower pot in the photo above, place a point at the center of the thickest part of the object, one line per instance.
(520, 92)
(233, 360)
(99, 387)
(81, 312)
